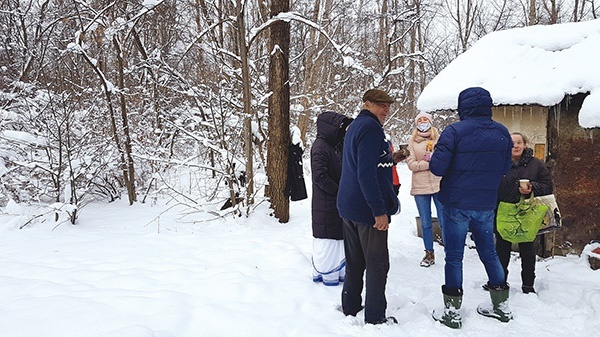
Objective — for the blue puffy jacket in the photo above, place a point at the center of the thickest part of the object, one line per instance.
(366, 189)
(472, 155)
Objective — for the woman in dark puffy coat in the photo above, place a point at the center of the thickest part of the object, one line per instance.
(326, 165)
(524, 166)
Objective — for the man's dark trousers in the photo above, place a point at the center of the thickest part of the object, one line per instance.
(365, 248)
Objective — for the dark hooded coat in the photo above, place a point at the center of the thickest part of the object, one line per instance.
(472, 155)
(326, 167)
(295, 188)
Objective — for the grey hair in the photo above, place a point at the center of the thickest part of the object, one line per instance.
(525, 139)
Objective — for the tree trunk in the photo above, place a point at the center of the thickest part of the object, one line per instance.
(552, 11)
(314, 63)
(128, 167)
(422, 74)
(383, 30)
(412, 79)
(96, 66)
(309, 75)
(532, 13)
(279, 112)
(465, 21)
(249, 153)
(249, 160)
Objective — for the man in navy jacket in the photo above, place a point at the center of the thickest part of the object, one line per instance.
(471, 156)
(366, 200)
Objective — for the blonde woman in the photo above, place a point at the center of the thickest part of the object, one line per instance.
(425, 185)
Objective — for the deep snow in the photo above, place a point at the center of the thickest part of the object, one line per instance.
(159, 270)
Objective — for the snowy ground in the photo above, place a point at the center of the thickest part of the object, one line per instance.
(123, 272)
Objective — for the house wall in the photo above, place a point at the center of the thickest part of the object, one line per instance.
(574, 161)
(530, 120)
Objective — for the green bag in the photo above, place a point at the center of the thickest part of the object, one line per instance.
(520, 222)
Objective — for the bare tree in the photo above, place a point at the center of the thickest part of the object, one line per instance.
(313, 65)
(154, 90)
(464, 14)
(246, 98)
(279, 112)
(120, 131)
(551, 10)
(532, 19)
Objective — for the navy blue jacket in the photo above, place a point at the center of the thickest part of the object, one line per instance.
(326, 167)
(366, 188)
(472, 155)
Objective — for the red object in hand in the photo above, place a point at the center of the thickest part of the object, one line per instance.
(427, 157)
(597, 250)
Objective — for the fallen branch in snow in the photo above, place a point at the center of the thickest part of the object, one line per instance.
(31, 220)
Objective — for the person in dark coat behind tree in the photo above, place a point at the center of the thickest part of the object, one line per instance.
(295, 187)
(328, 260)
(524, 166)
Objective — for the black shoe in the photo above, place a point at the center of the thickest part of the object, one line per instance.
(388, 320)
(528, 289)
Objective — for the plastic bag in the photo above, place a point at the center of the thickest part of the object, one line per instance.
(520, 222)
(552, 221)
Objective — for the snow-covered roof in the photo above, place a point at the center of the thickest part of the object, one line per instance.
(530, 65)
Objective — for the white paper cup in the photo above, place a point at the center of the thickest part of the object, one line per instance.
(524, 183)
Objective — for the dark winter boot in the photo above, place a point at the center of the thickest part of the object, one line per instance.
(528, 289)
(499, 308)
(450, 315)
(487, 286)
(388, 320)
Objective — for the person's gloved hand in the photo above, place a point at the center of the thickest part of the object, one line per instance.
(400, 155)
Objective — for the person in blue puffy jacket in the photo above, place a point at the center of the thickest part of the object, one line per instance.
(471, 156)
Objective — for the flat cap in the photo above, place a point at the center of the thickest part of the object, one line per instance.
(377, 96)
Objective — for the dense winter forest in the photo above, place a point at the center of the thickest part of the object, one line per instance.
(194, 99)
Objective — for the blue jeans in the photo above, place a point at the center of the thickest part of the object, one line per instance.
(481, 223)
(424, 207)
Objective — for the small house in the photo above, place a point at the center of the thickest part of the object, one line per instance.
(545, 83)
